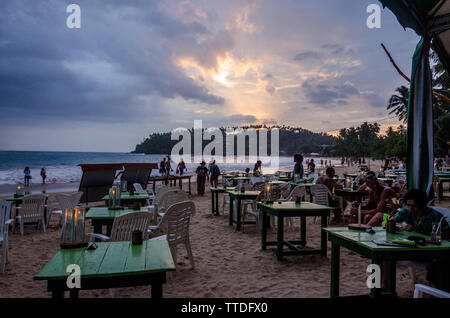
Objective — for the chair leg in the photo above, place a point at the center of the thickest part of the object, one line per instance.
(43, 224)
(189, 251)
(4, 252)
(21, 227)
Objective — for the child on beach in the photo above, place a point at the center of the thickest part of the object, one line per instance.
(27, 177)
(202, 176)
(43, 175)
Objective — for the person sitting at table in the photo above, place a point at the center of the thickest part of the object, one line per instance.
(376, 202)
(247, 172)
(298, 167)
(417, 217)
(329, 181)
(364, 188)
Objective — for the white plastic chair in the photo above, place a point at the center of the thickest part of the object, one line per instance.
(124, 225)
(155, 207)
(175, 226)
(138, 188)
(5, 221)
(254, 212)
(65, 201)
(420, 289)
(169, 198)
(32, 210)
(320, 194)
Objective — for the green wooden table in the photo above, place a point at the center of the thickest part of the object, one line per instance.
(215, 198)
(239, 196)
(351, 175)
(102, 216)
(292, 209)
(128, 199)
(350, 195)
(361, 243)
(111, 265)
(286, 179)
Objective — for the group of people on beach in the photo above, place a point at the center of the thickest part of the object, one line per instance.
(28, 176)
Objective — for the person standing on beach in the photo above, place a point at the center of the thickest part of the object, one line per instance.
(202, 176)
(181, 167)
(43, 175)
(162, 167)
(214, 173)
(27, 175)
(298, 167)
(168, 167)
(257, 169)
(311, 166)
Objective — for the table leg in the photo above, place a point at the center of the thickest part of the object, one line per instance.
(212, 203)
(57, 294)
(231, 211)
(217, 203)
(264, 230)
(375, 292)
(303, 229)
(323, 236)
(180, 183)
(280, 237)
(74, 293)
(391, 278)
(154, 186)
(335, 260)
(238, 215)
(189, 185)
(97, 228)
(157, 290)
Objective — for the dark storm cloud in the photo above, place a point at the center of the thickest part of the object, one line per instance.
(308, 55)
(104, 71)
(323, 94)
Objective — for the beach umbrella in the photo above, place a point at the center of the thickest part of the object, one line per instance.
(430, 19)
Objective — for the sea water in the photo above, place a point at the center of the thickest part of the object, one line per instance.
(62, 167)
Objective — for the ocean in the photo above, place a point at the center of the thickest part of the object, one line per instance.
(62, 167)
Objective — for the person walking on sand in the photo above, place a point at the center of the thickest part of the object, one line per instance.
(202, 176)
(162, 167)
(181, 167)
(214, 173)
(43, 175)
(27, 176)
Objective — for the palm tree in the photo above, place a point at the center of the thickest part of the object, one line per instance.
(398, 104)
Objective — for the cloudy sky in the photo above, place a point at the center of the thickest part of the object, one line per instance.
(142, 66)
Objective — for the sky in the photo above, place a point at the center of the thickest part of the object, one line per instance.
(137, 67)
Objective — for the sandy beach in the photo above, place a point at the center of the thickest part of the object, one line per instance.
(228, 263)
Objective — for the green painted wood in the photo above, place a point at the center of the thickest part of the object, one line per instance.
(159, 255)
(365, 239)
(56, 267)
(91, 259)
(111, 259)
(115, 259)
(136, 258)
(96, 213)
(127, 196)
(292, 206)
(246, 194)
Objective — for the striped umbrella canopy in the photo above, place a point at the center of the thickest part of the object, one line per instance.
(430, 19)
